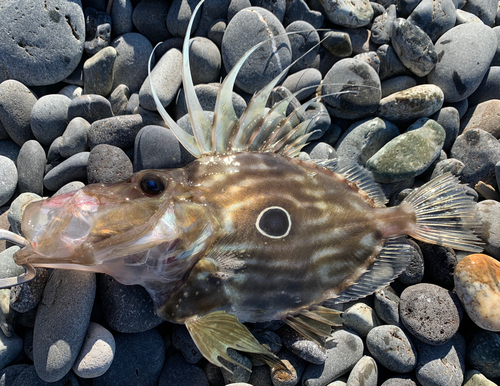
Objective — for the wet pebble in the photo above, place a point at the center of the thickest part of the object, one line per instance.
(31, 168)
(117, 131)
(361, 318)
(61, 322)
(108, 164)
(392, 348)
(304, 348)
(430, 313)
(98, 72)
(74, 168)
(9, 177)
(476, 284)
(49, 117)
(26, 297)
(178, 372)
(97, 29)
(89, 107)
(74, 138)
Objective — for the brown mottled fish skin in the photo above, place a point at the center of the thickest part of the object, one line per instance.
(335, 235)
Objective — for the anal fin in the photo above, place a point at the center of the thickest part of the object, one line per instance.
(217, 331)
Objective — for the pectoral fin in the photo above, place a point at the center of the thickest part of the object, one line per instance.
(217, 331)
(315, 323)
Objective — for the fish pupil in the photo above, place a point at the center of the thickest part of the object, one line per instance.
(152, 185)
(274, 222)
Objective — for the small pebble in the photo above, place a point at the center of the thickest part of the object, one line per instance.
(414, 272)
(89, 107)
(483, 116)
(97, 29)
(304, 44)
(9, 149)
(236, 374)
(49, 117)
(351, 14)
(121, 16)
(17, 208)
(117, 131)
(74, 138)
(25, 297)
(31, 168)
(29, 377)
(149, 18)
(338, 43)
(449, 119)
(386, 305)
(74, 168)
(475, 378)
(360, 318)
(382, 25)
(8, 268)
(98, 72)
(483, 353)
(397, 84)
(440, 262)
(434, 23)
(304, 348)
(204, 60)
(296, 366)
(108, 164)
(119, 99)
(365, 373)
(182, 341)
(307, 80)
(9, 178)
(177, 372)
(10, 348)
(402, 380)
(488, 212)
(299, 10)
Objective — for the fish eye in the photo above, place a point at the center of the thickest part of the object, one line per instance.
(274, 222)
(152, 185)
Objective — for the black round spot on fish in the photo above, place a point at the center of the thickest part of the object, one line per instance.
(152, 185)
(274, 222)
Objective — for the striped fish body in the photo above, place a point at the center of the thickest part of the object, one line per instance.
(292, 234)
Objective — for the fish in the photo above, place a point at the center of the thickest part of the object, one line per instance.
(248, 231)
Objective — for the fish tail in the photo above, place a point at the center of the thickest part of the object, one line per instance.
(445, 214)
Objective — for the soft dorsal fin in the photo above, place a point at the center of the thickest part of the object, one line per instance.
(315, 323)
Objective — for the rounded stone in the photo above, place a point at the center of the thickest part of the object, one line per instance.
(179, 372)
(74, 168)
(321, 150)
(483, 116)
(17, 208)
(386, 305)
(247, 28)
(392, 348)
(361, 318)
(10, 348)
(397, 84)
(8, 268)
(486, 10)
(97, 352)
(352, 14)
(98, 72)
(449, 119)
(16, 103)
(74, 138)
(139, 357)
(483, 353)
(433, 23)
(476, 284)
(204, 60)
(402, 380)
(31, 168)
(69, 187)
(299, 10)
(415, 102)
(182, 341)
(108, 164)
(61, 322)
(307, 80)
(465, 53)
(430, 313)
(178, 17)
(49, 117)
(440, 262)
(409, 154)
(121, 16)
(29, 377)
(119, 99)
(414, 272)
(117, 131)
(338, 43)
(304, 348)
(149, 18)
(235, 373)
(89, 107)
(131, 64)
(25, 297)
(295, 366)
(382, 25)
(304, 43)
(365, 373)
(489, 210)
(40, 43)
(11, 373)
(9, 149)
(97, 30)
(351, 89)
(9, 177)
(390, 65)
(488, 89)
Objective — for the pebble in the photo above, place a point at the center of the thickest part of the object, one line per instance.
(261, 377)
(49, 117)
(486, 10)
(204, 60)
(71, 91)
(488, 89)
(98, 72)
(449, 119)
(415, 102)
(10, 348)
(25, 297)
(434, 23)
(338, 43)
(61, 322)
(483, 116)
(466, 17)
(119, 99)
(397, 84)
(138, 360)
(321, 150)
(74, 138)
(69, 187)
(304, 44)
(402, 380)
(97, 352)
(483, 353)
(476, 284)
(117, 131)
(177, 372)
(304, 348)
(182, 341)
(365, 373)
(392, 348)
(234, 373)
(299, 10)
(97, 30)
(440, 263)
(166, 78)
(16, 103)
(364, 86)
(409, 154)
(17, 208)
(346, 13)
(121, 16)
(294, 364)
(131, 64)
(414, 272)
(344, 350)
(9, 177)
(488, 212)
(450, 165)
(31, 168)
(89, 107)
(246, 29)
(386, 304)
(9, 374)
(382, 25)
(430, 313)
(8, 268)
(360, 318)
(9, 149)
(475, 378)
(41, 43)
(178, 17)
(126, 308)
(413, 47)
(390, 65)
(307, 80)
(442, 365)
(29, 377)
(108, 164)
(149, 18)
(74, 168)
(465, 52)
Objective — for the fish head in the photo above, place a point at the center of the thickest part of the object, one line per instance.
(148, 228)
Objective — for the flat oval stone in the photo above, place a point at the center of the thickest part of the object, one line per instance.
(178, 17)
(31, 168)
(61, 322)
(483, 353)
(486, 10)
(40, 43)
(416, 102)
(464, 53)
(205, 60)
(347, 13)
(8, 176)
(338, 43)
(409, 154)
(49, 117)
(74, 168)
(304, 348)
(117, 131)
(89, 107)
(476, 283)
(121, 17)
(98, 72)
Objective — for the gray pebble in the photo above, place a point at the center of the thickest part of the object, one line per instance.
(236, 6)
(74, 168)
(16, 103)
(61, 322)
(69, 187)
(338, 43)
(126, 308)
(178, 17)
(131, 64)
(363, 86)
(97, 30)
(307, 80)
(414, 272)
(108, 164)
(365, 373)
(483, 353)
(433, 23)
(486, 10)
(216, 32)
(351, 14)
(9, 374)
(74, 138)
(49, 117)
(177, 372)
(41, 43)
(442, 365)
(294, 364)
(260, 377)
(8, 176)
(299, 10)
(182, 341)
(304, 348)
(212, 372)
(450, 165)
(247, 28)
(488, 89)
(29, 377)
(121, 16)
(98, 72)
(31, 168)
(204, 60)
(386, 305)
(382, 26)
(119, 99)
(269, 339)
(277, 8)
(489, 210)
(320, 150)
(26, 297)
(89, 107)
(397, 84)
(390, 65)
(17, 208)
(8, 268)
(344, 350)
(139, 359)
(430, 313)
(117, 131)
(54, 157)
(465, 53)
(463, 17)
(371, 58)
(9, 149)
(236, 374)
(304, 44)
(392, 348)
(71, 91)
(449, 119)
(440, 263)
(149, 18)
(402, 380)
(360, 318)
(10, 348)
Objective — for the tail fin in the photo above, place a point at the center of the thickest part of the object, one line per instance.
(446, 215)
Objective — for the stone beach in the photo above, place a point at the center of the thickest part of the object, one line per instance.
(408, 93)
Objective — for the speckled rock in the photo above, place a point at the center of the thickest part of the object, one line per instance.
(409, 154)
(119, 99)
(97, 352)
(383, 24)
(465, 53)
(9, 177)
(89, 107)
(117, 131)
(74, 168)
(177, 372)
(351, 14)
(414, 272)
(483, 353)
(401, 380)
(365, 372)
(61, 322)
(483, 116)
(8, 268)
(415, 102)
(25, 297)
(40, 43)
(16, 103)
(49, 117)
(486, 10)
(390, 346)
(98, 72)
(439, 263)
(434, 23)
(108, 164)
(9, 374)
(430, 313)
(476, 278)
(205, 60)
(360, 318)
